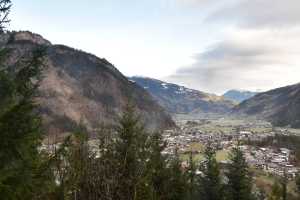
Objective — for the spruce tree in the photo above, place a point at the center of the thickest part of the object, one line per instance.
(5, 6)
(276, 192)
(284, 182)
(178, 182)
(157, 166)
(211, 185)
(279, 189)
(239, 185)
(24, 169)
(106, 176)
(78, 170)
(131, 152)
(260, 194)
(20, 130)
(78, 179)
(192, 178)
(298, 183)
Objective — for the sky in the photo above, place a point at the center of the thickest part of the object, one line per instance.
(209, 45)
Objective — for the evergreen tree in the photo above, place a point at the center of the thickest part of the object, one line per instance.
(24, 171)
(284, 182)
(298, 183)
(260, 194)
(20, 130)
(7, 85)
(211, 185)
(106, 176)
(79, 171)
(192, 178)
(78, 180)
(239, 185)
(131, 152)
(178, 181)
(5, 6)
(276, 192)
(158, 169)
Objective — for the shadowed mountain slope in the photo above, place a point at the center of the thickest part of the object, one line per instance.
(179, 99)
(280, 106)
(80, 87)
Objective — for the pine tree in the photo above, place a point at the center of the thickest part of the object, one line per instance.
(276, 192)
(78, 178)
(6, 86)
(76, 168)
(298, 183)
(106, 176)
(284, 182)
(24, 170)
(131, 149)
(192, 178)
(20, 130)
(239, 185)
(178, 182)
(5, 6)
(211, 186)
(260, 194)
(279, 189)
(157, 166)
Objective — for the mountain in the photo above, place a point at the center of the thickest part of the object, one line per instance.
(80, 87)
(179, 99)
(280, 106)
(239, 95)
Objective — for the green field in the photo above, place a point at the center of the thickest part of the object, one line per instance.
(221, 155)
(218, 124)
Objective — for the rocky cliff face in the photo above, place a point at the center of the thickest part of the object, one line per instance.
(79, 87)
(280, 106)
(179, 99)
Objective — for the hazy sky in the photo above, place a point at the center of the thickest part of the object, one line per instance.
(210, 45)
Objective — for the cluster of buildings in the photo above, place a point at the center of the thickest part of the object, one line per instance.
(272, 160)
(181, 139)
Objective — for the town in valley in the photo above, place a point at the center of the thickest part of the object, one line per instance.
(192, 135)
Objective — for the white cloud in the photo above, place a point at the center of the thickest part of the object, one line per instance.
(259, 50)
(260, 13)
(248, 60)
(250, 44)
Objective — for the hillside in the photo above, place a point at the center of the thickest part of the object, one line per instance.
(239, 95)
(179, 99)
(79, 87)
(280, 106)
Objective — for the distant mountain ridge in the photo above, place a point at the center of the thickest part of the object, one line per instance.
(281, 106)
(239, 95)
(179, 99)
(80, 87)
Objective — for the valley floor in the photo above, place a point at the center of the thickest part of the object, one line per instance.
(268, 161)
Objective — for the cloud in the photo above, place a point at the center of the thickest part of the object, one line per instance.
(194, 2)
(205, 5)
(259, 50)
(260, 13)
(245, 61)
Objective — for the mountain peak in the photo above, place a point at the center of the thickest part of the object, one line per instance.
(239, 95)
(23, 36)
(179, 99)
(281, 106)
(80, 87)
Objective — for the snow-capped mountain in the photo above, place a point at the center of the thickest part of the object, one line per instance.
(179, 99)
